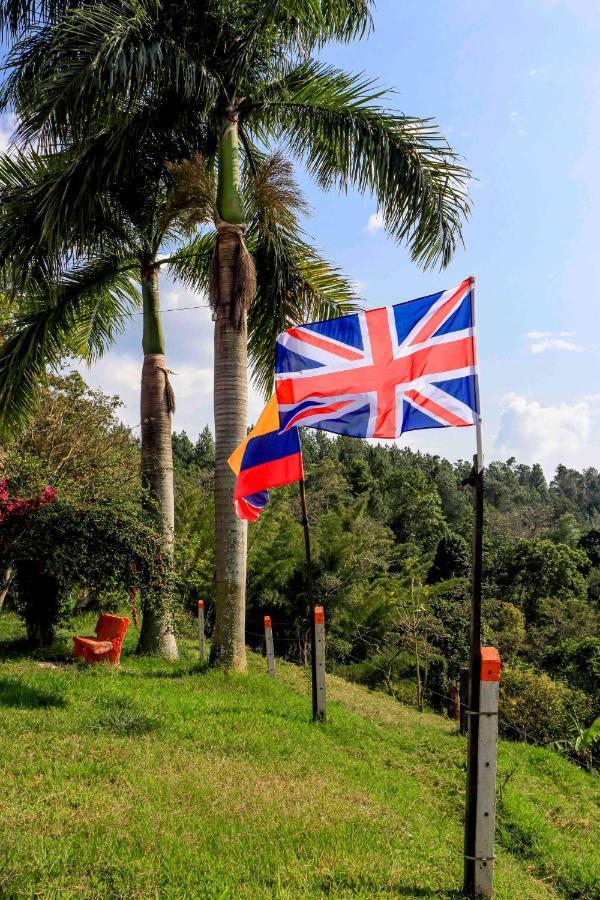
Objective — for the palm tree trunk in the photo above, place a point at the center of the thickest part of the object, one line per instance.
(232, 288)
(5, 580)
(157, 404)
(228, 647)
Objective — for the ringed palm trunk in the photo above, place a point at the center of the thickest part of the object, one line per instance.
(157, 404)
(232, 287)
(5, 580)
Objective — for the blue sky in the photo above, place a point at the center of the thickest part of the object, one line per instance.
(514, 86)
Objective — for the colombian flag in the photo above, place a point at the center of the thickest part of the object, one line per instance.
(266, 459)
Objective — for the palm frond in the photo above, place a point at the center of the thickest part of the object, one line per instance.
(271, 192)
(35, 237)
(80, 314)
(335, 123)
(267, 30)
(193, 199)
(17, 16)
(294, 285)
(97, 61)
(190, 264)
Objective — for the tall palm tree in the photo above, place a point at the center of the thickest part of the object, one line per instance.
(79, 308)
(245, 69)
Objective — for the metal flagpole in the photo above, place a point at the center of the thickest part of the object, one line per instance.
(476, 482)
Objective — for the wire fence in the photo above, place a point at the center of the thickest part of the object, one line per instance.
(385, 669)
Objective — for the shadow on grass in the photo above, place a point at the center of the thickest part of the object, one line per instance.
(15, 648)
(18, 648)
(21, 695)
(179, 670)
(333, 883)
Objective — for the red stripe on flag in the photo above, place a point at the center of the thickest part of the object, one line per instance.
(323, 344)
(431, 326)
(311, 410)
(268, 475)
(245, 510)
(387, 372)
(431, 406)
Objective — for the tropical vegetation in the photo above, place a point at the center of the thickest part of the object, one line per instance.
(89, 82)
(165, 779)
(391, 533)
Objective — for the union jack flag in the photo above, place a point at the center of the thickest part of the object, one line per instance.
(385, 371)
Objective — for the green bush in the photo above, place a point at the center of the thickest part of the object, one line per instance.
(536, 708)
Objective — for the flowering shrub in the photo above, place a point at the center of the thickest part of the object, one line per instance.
(55, 545)
(12, 509)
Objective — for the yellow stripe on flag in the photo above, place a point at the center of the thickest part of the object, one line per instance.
(267, 422)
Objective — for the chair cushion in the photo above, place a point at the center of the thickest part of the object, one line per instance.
(89, 647)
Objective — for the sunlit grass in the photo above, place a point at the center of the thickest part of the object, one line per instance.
(169, 780)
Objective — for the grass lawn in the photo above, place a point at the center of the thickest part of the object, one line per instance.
(163, 780)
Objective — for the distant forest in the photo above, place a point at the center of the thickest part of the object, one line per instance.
(391, 533)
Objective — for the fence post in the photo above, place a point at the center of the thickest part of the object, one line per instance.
(489, 684)
(201, 641)
(464, 700)
(269, 646)
(453, 701)
(319, 690)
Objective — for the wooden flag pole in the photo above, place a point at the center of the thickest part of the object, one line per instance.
(310, 586)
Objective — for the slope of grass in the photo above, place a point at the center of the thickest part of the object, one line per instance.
(167, 780)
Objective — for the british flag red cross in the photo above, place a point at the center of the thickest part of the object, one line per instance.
(384, 371)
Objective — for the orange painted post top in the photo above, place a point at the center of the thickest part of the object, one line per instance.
(319, 615)
(267, 621)
(490, 664)
(200, 604)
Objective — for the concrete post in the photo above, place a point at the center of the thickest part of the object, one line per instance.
(269, 646)
(486, 772)
(201, 640)
(319, 689)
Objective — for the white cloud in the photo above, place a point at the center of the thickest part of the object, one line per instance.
(375, 222)
(556, 344)
(120, 373)
(514, 116)
(546, 434)
(538, 335)
(549, 340)
(540, 72)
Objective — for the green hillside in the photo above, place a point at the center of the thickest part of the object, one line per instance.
(161, 780)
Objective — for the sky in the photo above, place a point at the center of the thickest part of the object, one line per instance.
(514, 86)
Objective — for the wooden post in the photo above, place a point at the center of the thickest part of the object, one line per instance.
(309, 585)
(454, 702)
(464, 700)
(489, 684)
(319, 689)
(269, 647)
(476, 481)
(201, 640)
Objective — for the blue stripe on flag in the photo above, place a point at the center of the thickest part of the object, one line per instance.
(268, 447)
(407, 315)
(460, 319)
(288, 361)
(345, 329)
(464, 389)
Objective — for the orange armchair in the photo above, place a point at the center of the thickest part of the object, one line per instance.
(110, 631)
